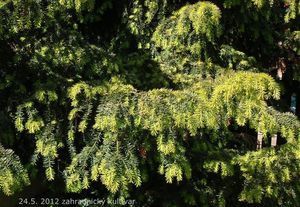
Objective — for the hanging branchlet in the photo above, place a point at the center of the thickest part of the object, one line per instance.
(287, 124)
(174, 163)
(114, 164)
(243, 96)
(47, 146)
(27, 117)
(13, 176)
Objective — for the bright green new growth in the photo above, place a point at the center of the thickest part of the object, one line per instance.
(273, 169)
(13, 176)
(184, 39)
(190, 29)
(164, 112)
(89, 97)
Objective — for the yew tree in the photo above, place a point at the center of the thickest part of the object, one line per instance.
(170, 103)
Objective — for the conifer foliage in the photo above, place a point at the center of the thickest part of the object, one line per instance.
(137, 99)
